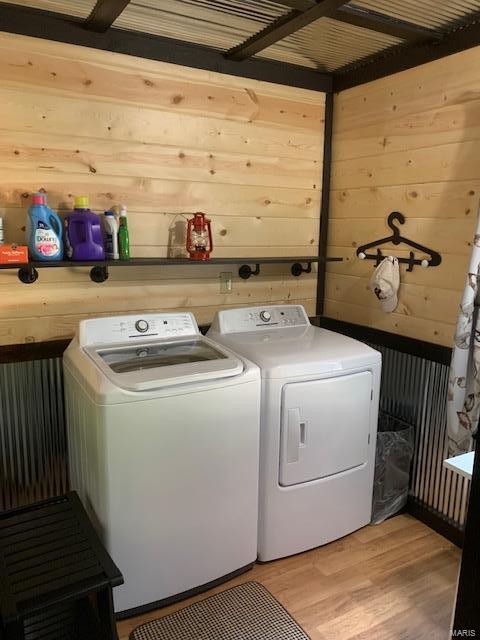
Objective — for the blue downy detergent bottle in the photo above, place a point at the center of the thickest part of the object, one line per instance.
(44, 231)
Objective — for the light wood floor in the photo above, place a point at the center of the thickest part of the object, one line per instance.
(394, 581)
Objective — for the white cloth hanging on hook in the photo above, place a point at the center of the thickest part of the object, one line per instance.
(385, 282)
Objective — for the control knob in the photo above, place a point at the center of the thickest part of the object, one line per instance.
(141, 326)
(265, 316)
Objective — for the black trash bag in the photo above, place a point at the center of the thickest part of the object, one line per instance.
(393, 460)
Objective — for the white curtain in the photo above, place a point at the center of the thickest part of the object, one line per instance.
(463, 406)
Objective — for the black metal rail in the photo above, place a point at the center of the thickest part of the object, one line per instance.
(325, 204)
(403, 344)
(28, 272)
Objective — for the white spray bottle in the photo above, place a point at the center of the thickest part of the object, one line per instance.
(111, 236)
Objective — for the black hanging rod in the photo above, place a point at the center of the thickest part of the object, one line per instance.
(434, 257)
(297, 268)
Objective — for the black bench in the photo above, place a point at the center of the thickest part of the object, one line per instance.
(56, 578)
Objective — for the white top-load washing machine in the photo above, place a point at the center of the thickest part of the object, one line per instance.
(318, 426)
(163, 433)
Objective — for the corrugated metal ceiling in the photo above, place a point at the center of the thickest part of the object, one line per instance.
(328, 45)
(427, 13)
(215, 24)
(325, 44)
(77, 8)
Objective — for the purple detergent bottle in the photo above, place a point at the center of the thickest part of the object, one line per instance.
(83, 233)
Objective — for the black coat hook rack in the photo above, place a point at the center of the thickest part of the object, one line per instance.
(434, 258)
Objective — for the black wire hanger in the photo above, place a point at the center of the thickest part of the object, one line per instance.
(433, 261)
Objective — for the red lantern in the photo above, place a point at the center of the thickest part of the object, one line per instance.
(199, 237)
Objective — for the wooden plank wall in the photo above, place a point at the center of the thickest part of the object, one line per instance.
(410, 143)
(167, 141)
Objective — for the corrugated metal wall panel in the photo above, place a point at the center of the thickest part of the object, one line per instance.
(328, 45)
(221, 25)
(32, 432)
(415, 390)
(33, 458)
(429, 13)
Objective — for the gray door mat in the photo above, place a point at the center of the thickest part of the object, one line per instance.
(246, 612)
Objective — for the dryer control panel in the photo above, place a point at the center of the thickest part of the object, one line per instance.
(130, 328)
(257, 318)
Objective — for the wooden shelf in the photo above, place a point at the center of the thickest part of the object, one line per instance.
(27, 273)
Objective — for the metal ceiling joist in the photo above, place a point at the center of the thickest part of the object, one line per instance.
(301, 5)
(283, 27)
(104, 14)
(400, 58)
(61, 28)
(372, 20)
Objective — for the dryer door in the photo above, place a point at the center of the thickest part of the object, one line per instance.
(325, 427)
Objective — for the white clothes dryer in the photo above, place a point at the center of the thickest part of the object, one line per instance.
(318, 430)
(163, 434)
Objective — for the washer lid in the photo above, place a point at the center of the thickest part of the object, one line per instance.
(151, 365)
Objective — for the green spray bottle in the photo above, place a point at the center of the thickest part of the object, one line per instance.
(123, 239)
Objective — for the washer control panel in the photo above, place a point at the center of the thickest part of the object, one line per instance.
(256, 318)
(130, 328)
